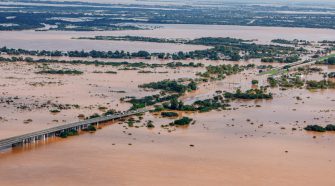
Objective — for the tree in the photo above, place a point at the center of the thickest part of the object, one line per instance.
(331, 61)
(174, 104)
(254, 82)
(235, 57)
(192, 85)
(180, 105)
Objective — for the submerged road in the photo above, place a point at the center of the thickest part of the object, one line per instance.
(54, 131)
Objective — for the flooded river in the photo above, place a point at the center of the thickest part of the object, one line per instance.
(256, 143)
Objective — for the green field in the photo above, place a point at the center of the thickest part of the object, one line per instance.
(270, 72)
(273, 72)
(326, 57)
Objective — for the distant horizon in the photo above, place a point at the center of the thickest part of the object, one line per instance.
(200, 1)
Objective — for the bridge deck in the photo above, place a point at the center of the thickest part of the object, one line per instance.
(18, 139)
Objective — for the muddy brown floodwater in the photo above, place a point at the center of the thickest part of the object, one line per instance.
(62, 40)
(258, 143)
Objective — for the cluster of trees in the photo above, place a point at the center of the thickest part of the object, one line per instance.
(234, 49)
(210, 104)
(286, 81)
(93, 53)
(222, 48)
(221, 71)
(12, 51)
(249, 94)
(318, 128)
(66, 71)
(182, 122)
(288, 59)
(174, 104)
(109, 54)
(296, 82)
(170, 86)
(71, 132)
(285, 41)
(272, 82)
(171, 102)
(323, 84)
(201, 105)
(180, 64)
(101, 63)
(149, 100)
(135, 38)
(169, 114)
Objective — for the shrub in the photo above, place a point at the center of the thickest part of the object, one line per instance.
(90, 128)
(130, 123)
(94, 116)
(110, 112)
(158, 108)
(272, 81)
(150, 124)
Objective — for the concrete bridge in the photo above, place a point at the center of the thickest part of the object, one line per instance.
(55, 131)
